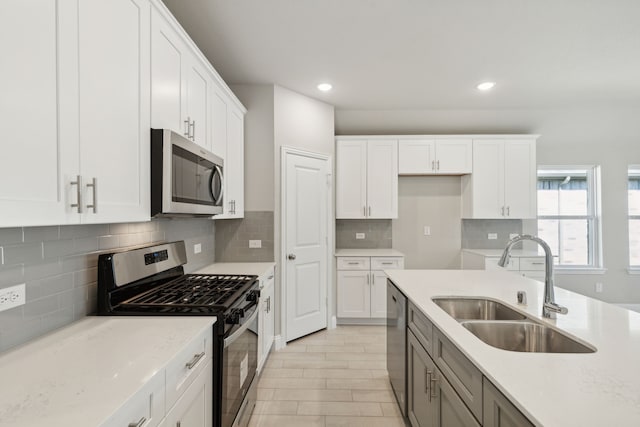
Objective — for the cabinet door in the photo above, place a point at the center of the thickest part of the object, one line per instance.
(269, 319)
(450, 410)
(197, 86)
(40, 158)
(378, 294)
(520, 179)
(354, 294)
(167, 63)
(234, 164)
(498, 411)
(114, 86)
(416, 157)
(454, 156)
(351, 179)
(488, 179)
(219, 124)
(194, 407)
(420, 368)
(382, 179)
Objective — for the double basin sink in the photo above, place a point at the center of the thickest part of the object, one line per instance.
(501, 326)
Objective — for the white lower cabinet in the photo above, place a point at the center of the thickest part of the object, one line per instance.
(194, 407)
(362, 286)
(266, 319)
(532, 267)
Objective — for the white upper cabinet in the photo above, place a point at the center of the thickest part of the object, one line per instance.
(435, 157)
(234, 166)
(114, 96)
(180, 84)
(77, 103)
(367, 179)
(503, 183)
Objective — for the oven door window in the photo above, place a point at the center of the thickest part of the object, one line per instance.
(240, 362)
(195, 180)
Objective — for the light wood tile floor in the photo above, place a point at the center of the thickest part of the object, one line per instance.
(332, 378)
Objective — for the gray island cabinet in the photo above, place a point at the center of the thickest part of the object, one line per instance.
(444, 388)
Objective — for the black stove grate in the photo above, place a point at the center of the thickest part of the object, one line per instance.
(192, 292)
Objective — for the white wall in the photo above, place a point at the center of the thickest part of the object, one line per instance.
(608, 136)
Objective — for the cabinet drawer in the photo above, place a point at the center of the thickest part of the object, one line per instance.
(498, 411)
(464, 377)
(532, 263)
(146, 406)
(421, 327)
(387, 263)
(187, 365)
(491, 263)
(353, 263)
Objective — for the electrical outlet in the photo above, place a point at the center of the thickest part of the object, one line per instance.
(255, 244)
(197, 248)
(11, 297)
(360, 236)
(599, 287)
(427, 230)
(492, 236)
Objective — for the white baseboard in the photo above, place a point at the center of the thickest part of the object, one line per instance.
(279, 342)
(363, 321)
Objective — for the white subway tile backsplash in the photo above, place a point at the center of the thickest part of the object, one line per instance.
(59, 267)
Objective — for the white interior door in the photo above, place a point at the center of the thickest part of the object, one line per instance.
(306, 197)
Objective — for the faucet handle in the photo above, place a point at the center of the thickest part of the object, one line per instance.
(555, 308)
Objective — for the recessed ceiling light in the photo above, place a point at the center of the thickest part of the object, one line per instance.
(486, 86)
(325, 87)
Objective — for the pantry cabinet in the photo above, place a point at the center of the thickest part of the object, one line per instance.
(367, 178)
(450, 156)
(503, 183)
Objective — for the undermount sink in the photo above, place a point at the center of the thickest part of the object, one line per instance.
(525, 336)
(464, 308)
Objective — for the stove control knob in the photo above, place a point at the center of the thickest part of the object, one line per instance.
(253, 296)
(233, 318)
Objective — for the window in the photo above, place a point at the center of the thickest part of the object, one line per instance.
(568, 214)
(634, 216)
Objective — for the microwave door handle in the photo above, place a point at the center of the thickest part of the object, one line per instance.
(233, 337)
(216, 197)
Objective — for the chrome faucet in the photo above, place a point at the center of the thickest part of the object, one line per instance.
(549, 307)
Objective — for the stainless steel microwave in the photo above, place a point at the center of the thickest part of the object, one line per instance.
(186, 179)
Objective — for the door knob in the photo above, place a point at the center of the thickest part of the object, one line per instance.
(292, 256)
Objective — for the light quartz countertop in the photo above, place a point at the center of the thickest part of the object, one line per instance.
(516, 253)
(368, 252)
(246, 268)
(597, 389)
(82, 374)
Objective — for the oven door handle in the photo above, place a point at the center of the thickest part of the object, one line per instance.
(231, 338)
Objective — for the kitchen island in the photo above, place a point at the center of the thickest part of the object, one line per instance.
(550, 389)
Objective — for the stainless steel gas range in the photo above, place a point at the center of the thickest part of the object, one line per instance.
(151, 281)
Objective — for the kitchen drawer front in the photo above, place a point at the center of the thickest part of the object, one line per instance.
(353, 263)
(465, 378)
(421, 327)
(148, 405)
(532, 263)
(498, 411)
(387, 263)
(187, 365)
(491, 263)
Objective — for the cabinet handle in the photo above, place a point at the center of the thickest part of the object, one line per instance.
(194, 361)
(433, 165)
(537, 263)
(353, 263)
(427, 382)
(364, 211)
(434, 383)
(508, 211)
(269, 304)
(368, 279)
(438, 165)
(187, 124)
(179, 424)
(503, 211)
(193, 130)
(369, 210)
(94, 185)
(78, 183)
(387, 263)
(139, 423)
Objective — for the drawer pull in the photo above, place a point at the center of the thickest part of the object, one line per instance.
(353, 263)
(387, 263)
(270, 277)
(537, 263)
(194, 361)
(434, 382)
(139, 423)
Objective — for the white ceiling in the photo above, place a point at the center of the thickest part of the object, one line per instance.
(426, 54)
